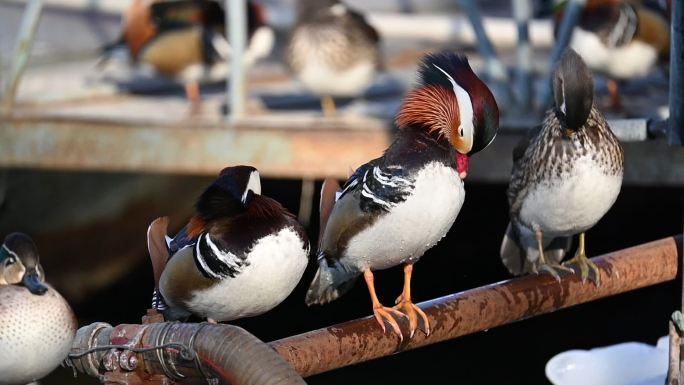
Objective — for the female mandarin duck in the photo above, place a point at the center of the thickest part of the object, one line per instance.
(622, 39)
(394, 208)
(567, 173)
(37, 325)
(185, 40)
(332, 51)
(240, 255)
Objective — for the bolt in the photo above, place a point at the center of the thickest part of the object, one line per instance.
(128, 361)
(110, 360)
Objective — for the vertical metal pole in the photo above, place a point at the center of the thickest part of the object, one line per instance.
(237, 35)
(522, 13)
(676, 126)
(22, 51)
(573, 10)
(495, 67)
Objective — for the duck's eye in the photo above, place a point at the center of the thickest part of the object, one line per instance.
(10, 261)
(460, 131)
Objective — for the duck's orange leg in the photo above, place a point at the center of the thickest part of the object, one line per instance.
(615, 101)
(409, 308)
(382, 314)
(192, 92)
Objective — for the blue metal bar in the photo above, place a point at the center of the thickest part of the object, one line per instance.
(522, 13)
(676, 127)
(495, 67)
(237, 35)
(573, 10)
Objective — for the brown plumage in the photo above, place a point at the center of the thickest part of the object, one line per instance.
(436, 109)
(157, 247)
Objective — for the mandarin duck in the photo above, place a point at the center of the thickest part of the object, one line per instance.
(241, 254)
(621, 39)
(396, 207)
(185, 40)
(37, 325)
(332, 51)
(567, 173)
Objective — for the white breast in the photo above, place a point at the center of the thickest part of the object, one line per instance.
(572, 203)
(35, 333)
(413, 226)
(634, 59)
(276, 264)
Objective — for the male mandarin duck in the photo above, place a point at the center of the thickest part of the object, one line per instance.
(185, 40)
(240, 255)
(567, 173)
(396, 207)
(37, 325)
(332, 51)
(622, 39)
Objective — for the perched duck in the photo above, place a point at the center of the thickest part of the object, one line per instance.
(621, 39)
(566, 174)
(37, 325)
(396, 207)
(239, 256)
(332, 51)
(185, 40)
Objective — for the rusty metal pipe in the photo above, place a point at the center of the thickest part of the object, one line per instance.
(360, 340)
(482, 308)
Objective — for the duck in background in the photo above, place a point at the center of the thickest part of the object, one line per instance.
(332, 51)
(185, 40)
(37, 325)
(239, 256)
(567, 173)
(622, 39)
(396, 207)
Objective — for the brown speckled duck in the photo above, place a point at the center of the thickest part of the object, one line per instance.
(332, 51)
(567, 173)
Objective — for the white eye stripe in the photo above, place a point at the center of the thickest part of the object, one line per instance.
(16, 257)
(254, 184)
(562, 106)
(465, 108)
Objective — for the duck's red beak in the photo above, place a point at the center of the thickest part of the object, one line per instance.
(462, 165)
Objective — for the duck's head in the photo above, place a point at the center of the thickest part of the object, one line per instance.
(20, 265)
(573, 90)
(231, 193)
(452, 103)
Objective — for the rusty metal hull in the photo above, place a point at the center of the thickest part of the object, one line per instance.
(309, 149)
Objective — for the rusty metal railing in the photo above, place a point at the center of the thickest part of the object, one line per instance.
(361, 340)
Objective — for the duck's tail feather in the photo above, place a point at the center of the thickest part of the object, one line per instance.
(330, 282)
(512, 254)
(518, 257)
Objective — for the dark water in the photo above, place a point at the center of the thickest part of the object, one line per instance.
(466, 258)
